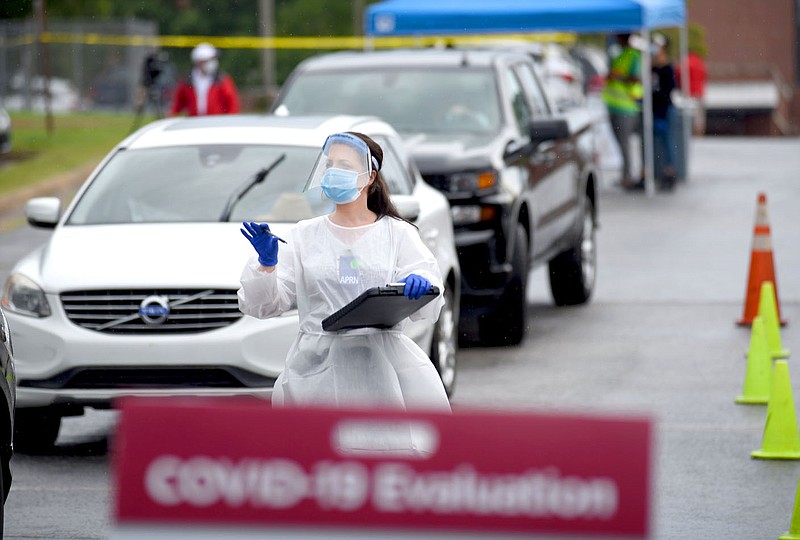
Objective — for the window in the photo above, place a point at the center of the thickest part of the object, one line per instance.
(534, 91)
(412, 99)
(197, 184)
(521, 109)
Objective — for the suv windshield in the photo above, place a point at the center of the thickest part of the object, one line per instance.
(194, 184)
(412, 100)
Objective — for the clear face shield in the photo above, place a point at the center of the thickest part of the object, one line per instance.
(342, 169)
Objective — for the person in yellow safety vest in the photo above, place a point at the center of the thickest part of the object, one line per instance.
(622, 96)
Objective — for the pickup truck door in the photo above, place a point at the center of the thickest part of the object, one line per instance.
(553, 168)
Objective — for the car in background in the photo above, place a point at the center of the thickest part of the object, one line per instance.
(8, 387)
(594, 65)
(30, 94)
(519, 174)
(558, 70)
(5, 131)
(135, 292)
(561, 73)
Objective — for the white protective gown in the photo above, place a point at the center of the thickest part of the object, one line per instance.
(323, 267)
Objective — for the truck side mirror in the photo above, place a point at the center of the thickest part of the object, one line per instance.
(548, 130)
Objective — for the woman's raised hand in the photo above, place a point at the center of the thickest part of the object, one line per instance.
(265, 244)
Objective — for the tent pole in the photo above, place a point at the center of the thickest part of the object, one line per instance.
(647, 117)
(687, 114)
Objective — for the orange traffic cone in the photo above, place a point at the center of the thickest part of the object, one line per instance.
(762, 267)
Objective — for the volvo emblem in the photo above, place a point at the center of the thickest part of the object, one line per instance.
(154, 309)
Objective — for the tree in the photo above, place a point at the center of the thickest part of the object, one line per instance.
(18, 9)
(308, 18)
(216, 18)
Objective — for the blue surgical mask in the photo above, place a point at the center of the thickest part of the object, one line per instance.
(340, 185)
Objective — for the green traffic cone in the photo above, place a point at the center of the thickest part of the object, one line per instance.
(768, 310)
(794, 528)
(759, 366)
(781, 438)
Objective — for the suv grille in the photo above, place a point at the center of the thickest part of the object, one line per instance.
(152, 311)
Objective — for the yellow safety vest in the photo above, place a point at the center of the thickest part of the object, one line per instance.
(622, 94)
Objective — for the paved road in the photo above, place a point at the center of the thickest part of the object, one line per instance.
(657, 339)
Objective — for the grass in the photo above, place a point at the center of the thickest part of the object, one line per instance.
(77, 140)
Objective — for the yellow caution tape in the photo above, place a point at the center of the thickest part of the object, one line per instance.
(321, 42)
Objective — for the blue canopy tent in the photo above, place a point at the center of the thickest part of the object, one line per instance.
(411, 17)
(469, 17)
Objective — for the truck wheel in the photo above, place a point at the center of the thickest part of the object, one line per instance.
(444, 344)
(506, 325)
(572, 272)
(35, 430)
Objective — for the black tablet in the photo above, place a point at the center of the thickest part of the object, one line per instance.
(378, 307)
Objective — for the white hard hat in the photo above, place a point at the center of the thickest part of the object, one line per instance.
(203, 52)
(637, 42)
(659, 40)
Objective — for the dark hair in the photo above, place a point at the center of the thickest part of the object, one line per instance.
(378, 196)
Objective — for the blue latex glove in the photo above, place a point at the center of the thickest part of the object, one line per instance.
(416, 286)
(265, 244)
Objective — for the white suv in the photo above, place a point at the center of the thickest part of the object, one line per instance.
(135, 291)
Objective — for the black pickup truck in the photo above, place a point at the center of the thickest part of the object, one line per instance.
(520, 177)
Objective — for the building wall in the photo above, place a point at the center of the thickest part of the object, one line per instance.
(753, 39)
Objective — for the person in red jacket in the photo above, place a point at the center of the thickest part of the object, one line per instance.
(205, 91)
(697, 90)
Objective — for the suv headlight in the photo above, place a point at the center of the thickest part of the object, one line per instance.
(471, 214)
(21, 295)
(472, 181)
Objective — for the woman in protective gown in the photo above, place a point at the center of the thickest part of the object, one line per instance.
(328, 261)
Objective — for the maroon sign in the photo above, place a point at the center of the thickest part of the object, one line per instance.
(236, 462)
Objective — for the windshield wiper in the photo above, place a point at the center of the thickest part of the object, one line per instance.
(242, 190)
